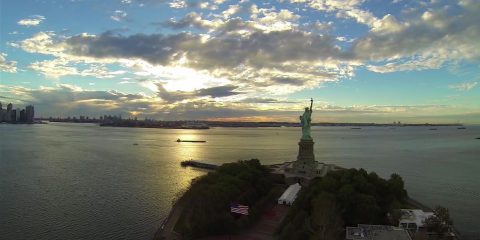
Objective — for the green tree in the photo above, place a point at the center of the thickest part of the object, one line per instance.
(440, 222)
(326, 222)
(343, 198)
(206, 203)
(396, 187)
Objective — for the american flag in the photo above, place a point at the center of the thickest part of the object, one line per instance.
(240, 209)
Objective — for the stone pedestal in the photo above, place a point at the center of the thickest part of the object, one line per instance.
(305, 151)
(305, 166)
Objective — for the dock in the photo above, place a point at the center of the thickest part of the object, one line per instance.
(198, 164)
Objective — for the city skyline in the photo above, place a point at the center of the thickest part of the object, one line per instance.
(17, 115)
(361, 60)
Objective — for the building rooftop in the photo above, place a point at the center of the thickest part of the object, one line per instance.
(416, 216)
(290, 194)
(376, 232)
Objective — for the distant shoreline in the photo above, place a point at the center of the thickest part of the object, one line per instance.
(23, 123)
(277, 125)
(209, 124)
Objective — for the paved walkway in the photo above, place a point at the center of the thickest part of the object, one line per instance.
(166, 231)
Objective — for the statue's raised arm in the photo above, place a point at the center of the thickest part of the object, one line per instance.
(311, 104)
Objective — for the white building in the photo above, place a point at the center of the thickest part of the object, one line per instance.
(413, 219)
(289, 196)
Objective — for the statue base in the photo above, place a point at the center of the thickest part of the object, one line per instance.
(305, 151)
(305, 167)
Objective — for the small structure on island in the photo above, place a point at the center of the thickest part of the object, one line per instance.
(306, 167)
(289, 196)
(413, 219)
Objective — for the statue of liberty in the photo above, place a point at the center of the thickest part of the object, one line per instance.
(305, 121)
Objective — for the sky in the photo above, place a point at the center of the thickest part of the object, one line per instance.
(360, 60)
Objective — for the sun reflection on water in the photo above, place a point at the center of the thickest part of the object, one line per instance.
(189, 150)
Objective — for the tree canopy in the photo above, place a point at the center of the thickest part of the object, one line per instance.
(206, 204)
(342, 198)
(440, 222)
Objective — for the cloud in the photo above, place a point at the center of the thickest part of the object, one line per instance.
(465, 86)
(287, 80)
(342, 9)
(262, 20)
(154, 48)
(213, 92)
(258, 59)
(192, 19)
(271, 52)
(118, 15)
(7, 66)
(419, 41)
(269, 20)
(64, 64)
(70, 100)
(65, 99)
(264, 100)
(438, 36)
(44, 43)
(412, 64)
(126, 82)
(220, 91)
(188, 4)
(33, 20)
(62, 67)
(178, 4)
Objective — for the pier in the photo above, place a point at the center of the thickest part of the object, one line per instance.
(198, 164)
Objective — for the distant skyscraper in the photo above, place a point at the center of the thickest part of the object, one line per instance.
(17, 115)
(8, 114)
(23, 116)
(1, 112)
(30, 113)
(13, 116)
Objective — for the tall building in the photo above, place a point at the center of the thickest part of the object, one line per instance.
(1, 112)
(8, 115)
(13, 116)
(30, 113)
(23, 116)
(17, 115)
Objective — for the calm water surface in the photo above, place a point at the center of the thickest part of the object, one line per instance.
(82, 181)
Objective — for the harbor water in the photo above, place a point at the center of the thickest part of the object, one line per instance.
(82, 181)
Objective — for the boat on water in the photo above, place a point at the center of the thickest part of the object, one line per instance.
(194, 141)
(461, 128)
(432, 129)
(356, 128)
